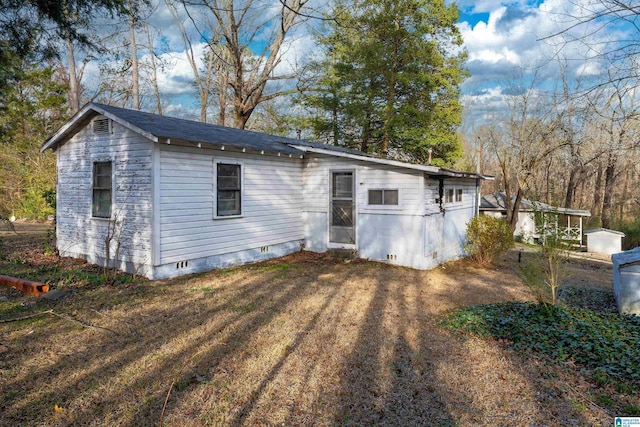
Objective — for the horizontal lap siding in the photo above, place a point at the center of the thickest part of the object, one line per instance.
(80, 234)
(445, 231)
(371, 220)
(409, 184)
(271, 210)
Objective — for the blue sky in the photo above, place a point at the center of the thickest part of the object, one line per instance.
(504, 40)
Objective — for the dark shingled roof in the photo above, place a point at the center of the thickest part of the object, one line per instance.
(206, 133)
(497, 202)
(168, 129)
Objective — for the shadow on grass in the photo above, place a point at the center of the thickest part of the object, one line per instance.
(352, 344)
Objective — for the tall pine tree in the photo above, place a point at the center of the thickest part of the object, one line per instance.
(389, 80)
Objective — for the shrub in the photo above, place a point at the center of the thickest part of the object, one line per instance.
(487, 238)
(631, 230)
(33, 205)
(546, 271)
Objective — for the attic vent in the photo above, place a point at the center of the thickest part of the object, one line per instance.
(102, 126)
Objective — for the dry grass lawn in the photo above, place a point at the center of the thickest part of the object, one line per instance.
(303, 340)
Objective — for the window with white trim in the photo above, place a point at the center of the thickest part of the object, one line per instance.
(383, 197)
(448, 195)
(458, 194)
(228, 190)
(102, 188)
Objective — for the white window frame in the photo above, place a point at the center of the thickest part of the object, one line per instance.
(93, 187)
(366, 207)
(215, 188)
(459, 192)
(447, 191)
(386, 205)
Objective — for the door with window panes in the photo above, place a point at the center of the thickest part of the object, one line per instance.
(341, 223)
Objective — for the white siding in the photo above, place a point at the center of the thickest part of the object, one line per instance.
(604, 242)
(271, 205)
(384, 233)
(80, 235)
(446, 224)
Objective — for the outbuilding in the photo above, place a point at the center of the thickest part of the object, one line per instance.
(604, 241)
(535, 219)
(169, 196)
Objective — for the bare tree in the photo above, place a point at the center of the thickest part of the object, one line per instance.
(154, 68)
(610, 31)
(523, 143)
(203, 80)
(621, 126)
(135, 79)
(253, 34)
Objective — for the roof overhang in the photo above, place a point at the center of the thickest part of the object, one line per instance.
(80, 119)
(432, 171)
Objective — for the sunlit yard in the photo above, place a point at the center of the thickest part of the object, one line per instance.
(300, 340)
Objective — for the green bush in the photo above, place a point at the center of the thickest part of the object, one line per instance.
(33, 205)
(631, 230)
(546, 270)
(487, 238)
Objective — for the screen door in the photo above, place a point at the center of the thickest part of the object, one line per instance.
(341, 225)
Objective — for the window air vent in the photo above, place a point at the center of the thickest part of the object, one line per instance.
(101, 126)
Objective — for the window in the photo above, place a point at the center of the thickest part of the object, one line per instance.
(459, 195)
(101, 204)
(228, 190)
(448, 196)
(383, 197)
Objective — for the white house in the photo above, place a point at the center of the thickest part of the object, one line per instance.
(561, 221)
(604, 241)
(181, 197)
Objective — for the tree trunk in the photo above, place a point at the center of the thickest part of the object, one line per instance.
(241, 117)
(366, 128)
(135, 80)
(571, 188)
(597, 195)
(624, 195)
(391, 95)
(609, 181)
(74, 93)
(515, 209)
(223, 83)
(154, 71)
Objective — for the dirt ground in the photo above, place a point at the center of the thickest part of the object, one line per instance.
(302, 340)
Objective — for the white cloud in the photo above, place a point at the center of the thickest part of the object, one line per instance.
(520, 37)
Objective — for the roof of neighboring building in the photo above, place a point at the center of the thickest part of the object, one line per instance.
(605, 230)
(497, 202)
(168, 129)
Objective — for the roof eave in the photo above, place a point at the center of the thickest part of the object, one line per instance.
(83, 114)
(428, 169)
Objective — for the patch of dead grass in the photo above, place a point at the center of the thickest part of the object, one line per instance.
(320, 342)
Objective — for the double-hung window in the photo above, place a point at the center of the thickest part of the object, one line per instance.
(228, 190)
(448, 195)
(383, 197)
(102, 187)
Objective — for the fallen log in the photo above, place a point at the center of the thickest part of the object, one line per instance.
(26, 286)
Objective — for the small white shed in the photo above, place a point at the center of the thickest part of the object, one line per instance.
(604, 241)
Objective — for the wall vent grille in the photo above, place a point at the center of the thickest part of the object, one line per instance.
(102, 126)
